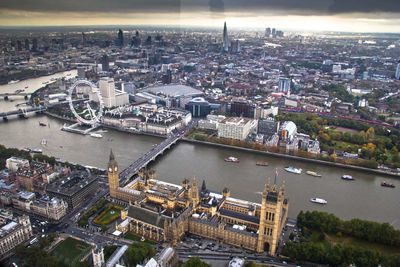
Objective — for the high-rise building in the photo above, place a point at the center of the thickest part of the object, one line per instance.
(268, 32)
(83, 38)
(284, 85)
(397, 75)
(19, 45)
(235, 46)
(167, 77)
(34, 44)
(27, 44)
(120, 40)
(105, 63)
(240, 108)
(225, 44)
(81, 72)
(273, 33)
(129, 87)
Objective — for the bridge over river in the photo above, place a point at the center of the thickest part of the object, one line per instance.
(143, 161)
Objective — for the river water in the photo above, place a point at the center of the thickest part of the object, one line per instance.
(363, 198)
(32, 85)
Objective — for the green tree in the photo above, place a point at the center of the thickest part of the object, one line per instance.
(44, 242)
(138, 252)
(196, 262)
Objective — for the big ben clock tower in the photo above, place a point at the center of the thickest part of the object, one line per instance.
(113, 177)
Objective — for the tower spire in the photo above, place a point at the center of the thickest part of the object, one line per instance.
(225, 45)
(112, 157)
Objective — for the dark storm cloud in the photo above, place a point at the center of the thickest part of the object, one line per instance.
(365, 6)
(304, 7)
(216, 6)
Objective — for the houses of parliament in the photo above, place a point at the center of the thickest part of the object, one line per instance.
(164, 212)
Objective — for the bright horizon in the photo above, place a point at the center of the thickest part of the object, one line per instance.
(288, 15)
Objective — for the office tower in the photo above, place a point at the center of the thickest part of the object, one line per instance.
(81, 72)
(105, 63)
(167, 78)
(397, 75)
(27, 44)
(273, 33)
(19, 45)
(284, 85)
(240, 109)
(120, 40)
(34, 44)
(267, 32)
(83, 38)
(129, 87)
(148, 40)
(225, 45)
(235, 46)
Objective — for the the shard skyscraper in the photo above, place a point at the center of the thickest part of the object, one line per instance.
(225, 44)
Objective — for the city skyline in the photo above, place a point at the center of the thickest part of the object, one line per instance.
(310, 15)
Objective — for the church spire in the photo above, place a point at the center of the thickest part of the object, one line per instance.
(203, 186)
(112, 157)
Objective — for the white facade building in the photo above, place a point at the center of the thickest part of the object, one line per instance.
(236, 128)
(111, 96)
(14, 163)
(397, 75)
(13, 233)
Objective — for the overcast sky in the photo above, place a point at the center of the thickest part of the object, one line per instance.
(330, 15)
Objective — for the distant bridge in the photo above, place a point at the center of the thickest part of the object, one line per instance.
(150, 156)
(14, 94)
(22, 113)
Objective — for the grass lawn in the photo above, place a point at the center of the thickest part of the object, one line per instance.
(346, 130)
(345, 145)
(134, 237)
(70, 250)
(385, 250)
(108, 217)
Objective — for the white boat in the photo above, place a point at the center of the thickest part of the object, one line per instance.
(232, 159)
(347, 177)
(96, 135)
(293, 170)
(313, 173)
(13, 81)
(43, 142)
(318, 200)
(34, 150)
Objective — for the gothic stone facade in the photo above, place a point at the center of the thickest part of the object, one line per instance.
(162, 211)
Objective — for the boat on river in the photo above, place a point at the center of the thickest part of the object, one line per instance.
(262, 163)
(318, 200)
(347, 177)
(293, 170)
(232, 159)
(13, 81)
(43, 142)
(313, 173)
(96, 135)
(42, 123)
(385, 184)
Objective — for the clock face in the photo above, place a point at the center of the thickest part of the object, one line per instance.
(110, 169)
(115, 168)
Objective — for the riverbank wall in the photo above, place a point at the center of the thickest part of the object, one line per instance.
(278, 155)
(268, 153)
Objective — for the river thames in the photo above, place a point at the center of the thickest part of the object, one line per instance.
(363, 198)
